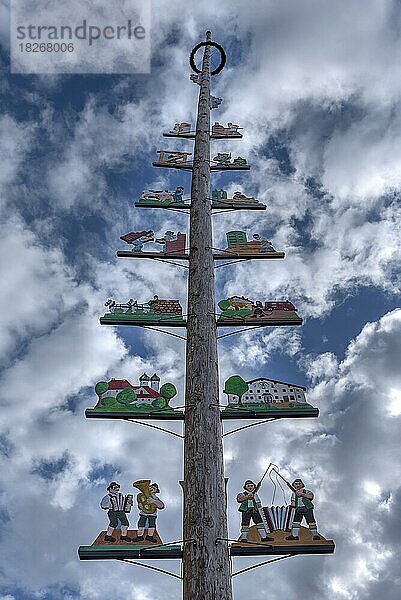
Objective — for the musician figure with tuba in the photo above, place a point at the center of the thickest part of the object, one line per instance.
(250, 507)
(117, 505)
(148, 504)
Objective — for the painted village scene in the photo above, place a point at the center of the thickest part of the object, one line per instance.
(156, 311)
(288, 522)
(164, 198)
(265, 397)
(239, 309)
(167, 243)
(145, 243)
(121, 398)
(238, 244)
(180, 160)
(175, 199)
(218, 131)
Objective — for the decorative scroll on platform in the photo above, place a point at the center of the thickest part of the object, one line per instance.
(172, 244)
(120, 399)
(238, 310)
(265, 398)
(156, 311)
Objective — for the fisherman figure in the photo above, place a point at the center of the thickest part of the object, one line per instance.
(301, 500)
(250, 508)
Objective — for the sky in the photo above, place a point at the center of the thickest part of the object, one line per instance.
(316, 87)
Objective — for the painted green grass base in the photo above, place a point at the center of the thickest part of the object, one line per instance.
(143, 316)
(162, 415)
(262, 406)
(265, 411)
(162, 203)
(117, 407)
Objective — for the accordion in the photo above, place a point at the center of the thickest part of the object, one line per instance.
(278, 517)
(121, 502)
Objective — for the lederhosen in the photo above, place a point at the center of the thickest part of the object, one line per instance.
(249, 512)
(117, 515)
(305, 510)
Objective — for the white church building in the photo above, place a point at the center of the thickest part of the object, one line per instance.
(270, 391)
(146, 392)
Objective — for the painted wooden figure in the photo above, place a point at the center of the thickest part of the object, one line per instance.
(239, 308)
(181, 128)
(230, 131)
(301, 501)
(238, 243)
(172, 158)
(171, 242)
(117, 506)
(121, 396)
(223, 159)
(273, 523)
(214, 102)
(264, 395)
(154, 310)
(250, 507)
(220, 199)
(163, 198)
(148, 505)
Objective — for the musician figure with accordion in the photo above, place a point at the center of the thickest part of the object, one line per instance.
(148, 504)
(117, 505)
(301, 500)
(250, 508)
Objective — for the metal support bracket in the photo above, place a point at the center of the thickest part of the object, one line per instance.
(266, 562)
(247, 426)
(155, 427)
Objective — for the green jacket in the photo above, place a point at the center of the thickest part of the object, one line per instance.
(243, 507)
(305, 501)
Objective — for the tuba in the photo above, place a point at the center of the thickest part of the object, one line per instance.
(142, 498)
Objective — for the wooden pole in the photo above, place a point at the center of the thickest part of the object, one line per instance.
(206, 561)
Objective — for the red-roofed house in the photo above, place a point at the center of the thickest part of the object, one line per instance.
(145, 394)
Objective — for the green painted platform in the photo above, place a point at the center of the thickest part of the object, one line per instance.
(277, 413)
(109, 551)
(178, 415)
(260, 322)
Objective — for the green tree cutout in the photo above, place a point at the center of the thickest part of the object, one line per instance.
(224, 304)
(168, 391)
(101, 387)
(126, 396)
(159, 402)
(237, 386)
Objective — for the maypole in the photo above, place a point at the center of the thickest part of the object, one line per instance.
(206, 562)
(205, 550)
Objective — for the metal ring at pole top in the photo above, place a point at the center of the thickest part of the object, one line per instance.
(223, 57)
